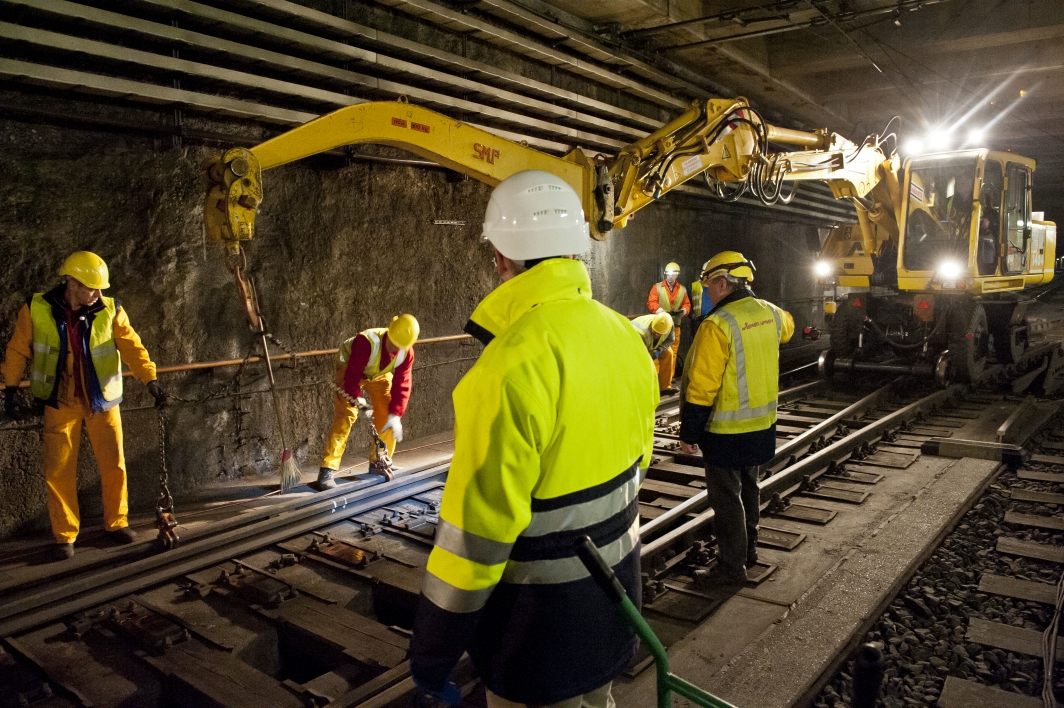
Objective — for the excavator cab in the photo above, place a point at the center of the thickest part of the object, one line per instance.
(968, 245)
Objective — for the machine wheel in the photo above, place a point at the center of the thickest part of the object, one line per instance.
(845, 324)
(969, 341)
(1008, 330)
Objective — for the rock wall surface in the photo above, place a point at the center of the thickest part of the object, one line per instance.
(340, 247)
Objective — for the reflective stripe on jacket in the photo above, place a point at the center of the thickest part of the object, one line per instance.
(547, 450)
(696, 299)
(103, 380)
(733, 365)
(654, 342)
(373, 366)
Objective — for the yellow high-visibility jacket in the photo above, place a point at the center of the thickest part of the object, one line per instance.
(654, 342)
(731, 379)
(553, 427)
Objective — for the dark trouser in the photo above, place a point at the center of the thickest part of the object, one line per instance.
(736, 500)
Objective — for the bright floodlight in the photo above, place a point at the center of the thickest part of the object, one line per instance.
(938, 140)
(914, 147)
(975, 137)
(822, 269)
(949, 270)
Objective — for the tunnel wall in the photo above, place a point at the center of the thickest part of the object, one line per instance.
(340, 247)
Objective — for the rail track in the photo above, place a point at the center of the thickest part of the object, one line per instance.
(309, 601)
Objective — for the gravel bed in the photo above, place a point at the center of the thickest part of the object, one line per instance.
(922, 633)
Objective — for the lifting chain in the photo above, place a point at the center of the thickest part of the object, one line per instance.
(164, 507)
(383, 463)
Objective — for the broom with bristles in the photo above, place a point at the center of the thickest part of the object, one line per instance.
(290, 475)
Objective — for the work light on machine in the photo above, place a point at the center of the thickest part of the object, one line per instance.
(950, 274)
(822, 269)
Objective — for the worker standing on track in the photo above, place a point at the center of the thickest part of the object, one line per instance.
(77, 340)
(728, 404)
(379, 361)
(544, 454)
(671, 297)
(656, 331)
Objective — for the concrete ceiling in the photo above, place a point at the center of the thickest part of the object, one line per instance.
(851, 65)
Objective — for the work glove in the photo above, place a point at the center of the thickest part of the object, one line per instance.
(659, 310)
(10, 407)
(431, 696)
(362, 403)
(157, 392)
(394, 424)
(655, 354)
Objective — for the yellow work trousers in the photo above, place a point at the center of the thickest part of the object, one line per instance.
(62, 439)
(379, 392)
(666, 363)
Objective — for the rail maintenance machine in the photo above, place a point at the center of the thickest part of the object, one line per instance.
(934, 272)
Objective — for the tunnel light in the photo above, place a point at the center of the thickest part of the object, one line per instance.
(822, 269)
(914, 147)
(949, 270)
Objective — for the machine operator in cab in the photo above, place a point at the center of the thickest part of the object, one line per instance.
(380, 362)
(669, 296)
(542, 457)
(728, 404)
(75, 340)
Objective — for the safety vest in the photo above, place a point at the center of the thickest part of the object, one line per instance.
(746, 401)
(696, 299)
(673, 306)
(651, 339)
(373, 368)
(103, 380)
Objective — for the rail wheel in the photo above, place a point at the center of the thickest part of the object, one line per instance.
(969, 341)
(845, 328)
(1008, 331)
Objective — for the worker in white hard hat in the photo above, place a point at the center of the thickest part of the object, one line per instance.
(669, 296)
(546, 451)
(379, 362)
(728, 405)
(656, 332)
(75, 340)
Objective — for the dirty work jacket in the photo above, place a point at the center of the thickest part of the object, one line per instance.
(654, 342)
(554, 426)
(364, 358)
(731, 381)
(106, 340)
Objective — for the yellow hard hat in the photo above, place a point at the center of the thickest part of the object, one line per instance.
(732, 263)
(662, 323)
(403, 330)
(86, 268)
(672, 267)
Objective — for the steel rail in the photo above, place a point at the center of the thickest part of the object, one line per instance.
(698, 502)
(53, 603)
(790, 479)
(145, 548)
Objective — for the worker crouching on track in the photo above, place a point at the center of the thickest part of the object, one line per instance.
(76, 340)
(728, 404)
(547, 449)
(669, 296)
(656, 332)
(380, 362)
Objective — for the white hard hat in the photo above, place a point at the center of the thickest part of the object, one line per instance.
(534, 214)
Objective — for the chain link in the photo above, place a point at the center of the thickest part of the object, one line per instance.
(165, 520)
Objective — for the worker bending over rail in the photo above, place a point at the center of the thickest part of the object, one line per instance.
(669, 296)
(77, 340)
(379, 362)
(656, 331)
(545, 452)
(728, 404)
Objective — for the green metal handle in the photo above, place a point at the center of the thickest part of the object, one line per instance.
(667, 682)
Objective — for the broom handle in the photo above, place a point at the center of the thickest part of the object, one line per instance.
(273, 390)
